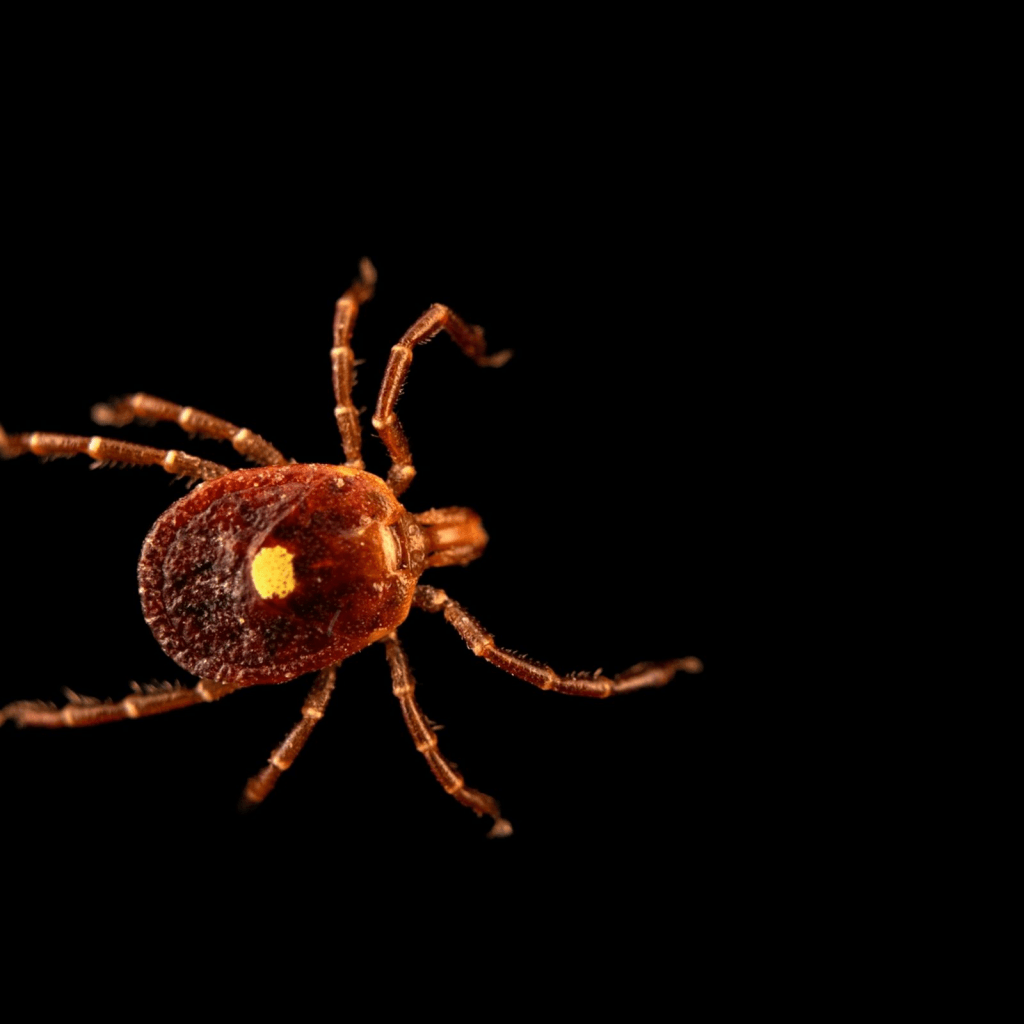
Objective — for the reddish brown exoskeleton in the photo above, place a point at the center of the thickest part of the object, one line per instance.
(262, 575)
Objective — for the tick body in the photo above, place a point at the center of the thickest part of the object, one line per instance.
(267, 574)
(262, 575)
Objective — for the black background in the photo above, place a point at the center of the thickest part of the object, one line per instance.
(607, 460)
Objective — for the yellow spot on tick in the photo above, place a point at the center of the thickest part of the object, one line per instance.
(272, 573)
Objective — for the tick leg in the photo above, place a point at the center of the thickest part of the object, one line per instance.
(284, 754)
(403, 684)
(147, 407)
(481, 643)
(467, 336)
(148, 700)
(103, 449)
(343, 361)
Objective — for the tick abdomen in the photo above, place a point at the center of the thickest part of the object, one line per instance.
(266, 574)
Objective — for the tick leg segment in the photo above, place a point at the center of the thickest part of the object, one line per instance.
(103, 449)
(147, 700)
(481, 643)
(147, 407)
(467, 336)
(403, 685)
(343, 361)
(284, 754)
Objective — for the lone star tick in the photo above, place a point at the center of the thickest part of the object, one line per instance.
(262, 575)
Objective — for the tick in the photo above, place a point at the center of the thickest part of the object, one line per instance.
(261, 575)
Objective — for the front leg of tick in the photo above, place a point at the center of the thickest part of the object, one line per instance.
(468, 337)
(482, 644)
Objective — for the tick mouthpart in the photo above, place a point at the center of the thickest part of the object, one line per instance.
(452, 536)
